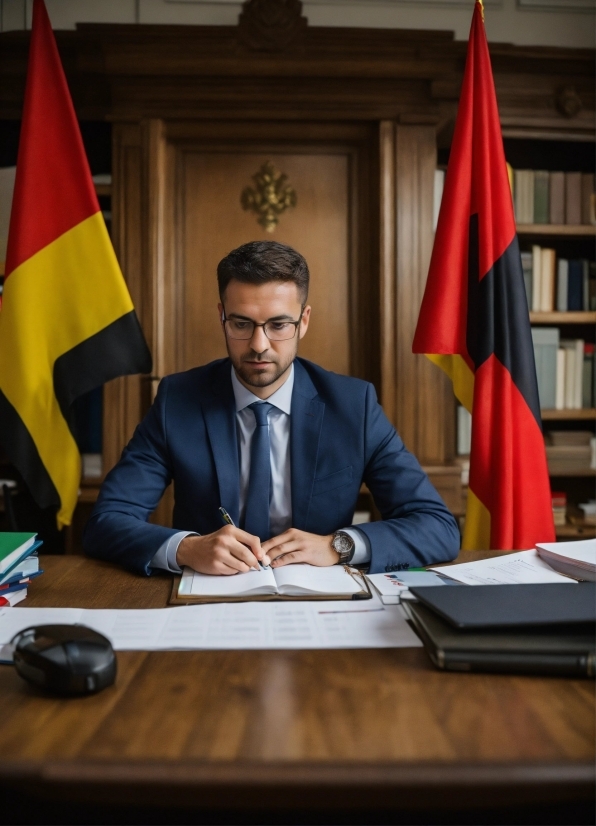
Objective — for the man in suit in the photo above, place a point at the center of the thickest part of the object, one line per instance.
(280, 443)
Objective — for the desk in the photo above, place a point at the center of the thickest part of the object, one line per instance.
(375, 728)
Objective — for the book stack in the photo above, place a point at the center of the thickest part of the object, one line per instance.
(559, 507)
(564, 369)
(542, 197)
(567, 452)
(564, 285)
(19, 564)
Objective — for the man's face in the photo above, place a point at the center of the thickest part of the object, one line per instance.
(258, 361)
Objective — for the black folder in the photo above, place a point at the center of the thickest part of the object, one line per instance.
(533, 629)
(507, 606)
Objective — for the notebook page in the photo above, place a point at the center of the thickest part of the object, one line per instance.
(308, 579)
(205, 585)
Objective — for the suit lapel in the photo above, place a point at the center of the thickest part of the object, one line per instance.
(219, 409)
(305, 430)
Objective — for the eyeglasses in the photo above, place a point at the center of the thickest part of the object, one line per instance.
(243, 329)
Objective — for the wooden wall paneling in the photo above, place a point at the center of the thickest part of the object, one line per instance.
(423, 409)
(387, 269)
(124, 401)
(158, 246)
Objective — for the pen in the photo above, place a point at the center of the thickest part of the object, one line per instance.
(227, 519)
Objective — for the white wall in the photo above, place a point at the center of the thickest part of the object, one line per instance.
(523, 22)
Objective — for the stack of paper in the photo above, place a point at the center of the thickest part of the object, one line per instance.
(522, 567)
(575, 559)
(19, 564)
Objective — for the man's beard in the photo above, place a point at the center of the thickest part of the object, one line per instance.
(261, 380)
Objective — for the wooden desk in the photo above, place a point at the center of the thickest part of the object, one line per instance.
(310, 729)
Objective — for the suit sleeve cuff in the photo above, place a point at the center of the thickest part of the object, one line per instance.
(165, 558)
(361, 546)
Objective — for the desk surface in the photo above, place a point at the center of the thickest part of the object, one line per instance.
(301, 727)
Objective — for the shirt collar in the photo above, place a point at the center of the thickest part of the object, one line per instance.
(282, 398)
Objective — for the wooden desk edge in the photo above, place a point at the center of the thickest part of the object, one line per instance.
(302, 785)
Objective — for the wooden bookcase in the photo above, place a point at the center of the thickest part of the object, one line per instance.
(568, 241)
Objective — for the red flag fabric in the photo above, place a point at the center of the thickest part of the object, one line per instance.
(474, 323)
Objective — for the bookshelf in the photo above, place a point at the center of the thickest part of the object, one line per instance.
(564, 429)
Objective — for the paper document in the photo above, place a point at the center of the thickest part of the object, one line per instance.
(520, 567)
(219, 626)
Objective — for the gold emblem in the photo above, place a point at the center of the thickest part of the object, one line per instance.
(271, 196)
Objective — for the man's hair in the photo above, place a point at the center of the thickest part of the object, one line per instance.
(262, 261)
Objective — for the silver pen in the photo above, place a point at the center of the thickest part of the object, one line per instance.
(227, 519)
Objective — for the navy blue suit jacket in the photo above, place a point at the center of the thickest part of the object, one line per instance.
(339, 438)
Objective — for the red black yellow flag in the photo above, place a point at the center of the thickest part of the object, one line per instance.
(67, 323)
(474, 323)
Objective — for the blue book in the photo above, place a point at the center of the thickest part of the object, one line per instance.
(575, 286)
(18, 576)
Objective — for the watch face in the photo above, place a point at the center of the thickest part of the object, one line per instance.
(342, 543)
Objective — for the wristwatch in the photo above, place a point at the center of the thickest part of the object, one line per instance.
(343, 543)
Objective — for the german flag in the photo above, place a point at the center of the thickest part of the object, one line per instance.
(67, 323)
(474, 323)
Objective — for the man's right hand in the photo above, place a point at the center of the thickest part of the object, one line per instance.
(227, 551)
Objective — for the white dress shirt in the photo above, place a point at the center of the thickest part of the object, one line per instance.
(280, 510)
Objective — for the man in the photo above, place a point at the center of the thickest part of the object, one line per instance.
(281, 444)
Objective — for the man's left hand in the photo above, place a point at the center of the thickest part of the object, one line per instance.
(299, 546)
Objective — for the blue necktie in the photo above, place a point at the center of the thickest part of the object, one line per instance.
(256, 519)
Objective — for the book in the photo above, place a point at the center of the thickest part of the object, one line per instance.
(561, 438)
(536, 278)
(546, 344)
(526, 260)
(12, 547)
(587, 191)
(290, 582)
(573, 198)
(567, 459)
(562, 284)
(557, 198)
(559, 651)
(579, 373)
(541, 197)
(13, 598)
(548, 259)
(588, 376)
(591, 286)
(576, 559)
(575, 286)
(524, 196)
(559, 500)
(464, 431)
(560, 380)
(569, 348)
(585, 284)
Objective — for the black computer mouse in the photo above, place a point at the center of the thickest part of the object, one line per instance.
(65, 659)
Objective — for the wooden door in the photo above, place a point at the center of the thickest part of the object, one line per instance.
(214, 222)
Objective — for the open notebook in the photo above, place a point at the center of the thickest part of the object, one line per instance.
(290, 582)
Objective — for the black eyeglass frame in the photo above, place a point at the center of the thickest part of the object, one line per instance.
(263, 325)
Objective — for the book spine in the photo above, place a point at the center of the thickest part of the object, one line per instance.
(573, 198)
(560, 381)
(536, 278)
(541, 189)
(587, 193)
(579, 369)
(569, 377)
(557, 198)
(585, 284)
(575, 286)
(588, 376)
(562, 284)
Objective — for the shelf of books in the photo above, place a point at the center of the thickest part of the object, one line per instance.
(555, 207)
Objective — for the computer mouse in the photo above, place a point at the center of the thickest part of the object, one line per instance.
(65, 659)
